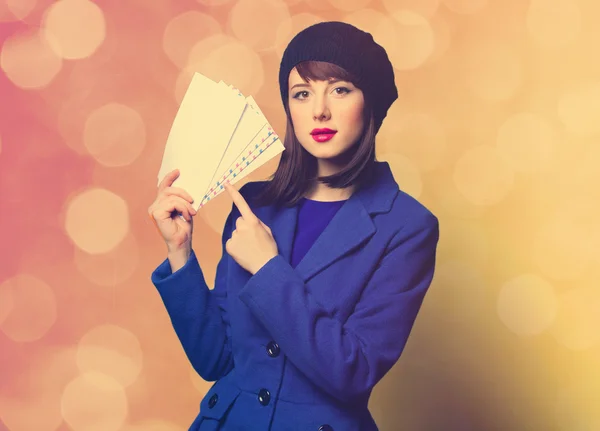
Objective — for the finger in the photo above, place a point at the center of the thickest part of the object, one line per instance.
(175, 203)
(240, 202)
(168, 179)
(176, 191)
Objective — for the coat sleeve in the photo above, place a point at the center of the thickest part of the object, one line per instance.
(199, 314)
(347, 359)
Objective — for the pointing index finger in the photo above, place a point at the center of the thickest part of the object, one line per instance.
(240, 202)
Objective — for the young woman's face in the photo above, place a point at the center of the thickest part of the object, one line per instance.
(321, 104)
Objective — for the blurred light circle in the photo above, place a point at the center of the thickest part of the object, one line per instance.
(115, 135)
(13, 10)
(223, 58)
(28, 61)
(97, 220)
(111, 350)
(482, 176)
(426, 8)
(94, 402)
(414, 40)
(350, 5)
(255, 22)
(28, 309)
(184, 31)
(74, 29)
(527, 305)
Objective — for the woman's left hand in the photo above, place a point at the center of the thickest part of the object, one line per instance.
(251, 244)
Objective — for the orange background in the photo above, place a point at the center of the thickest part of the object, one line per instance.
(496, 130)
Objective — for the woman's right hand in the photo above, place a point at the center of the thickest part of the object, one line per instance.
(164, 212)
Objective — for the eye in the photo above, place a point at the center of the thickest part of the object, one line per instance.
(346, 90)
(298, 93)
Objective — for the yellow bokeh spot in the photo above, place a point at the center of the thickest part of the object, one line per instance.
(74, 28)
(94, 402)
(255, 22)
(29, 310)
(465, 6)
(111, 350)
(414, 40)
(579, 318)
(115, 135)
(579, 109)
(482, 176)
(418, 136)
(528, 142)
(426, 8)
(223, 58)
(492, 70)
(184, 31)
(527, 305)
(554, 23)
(286, 31)
(350, 5)
(112, 268)
(13, 10)
(97, 220)
(28, 61)
(405, 172)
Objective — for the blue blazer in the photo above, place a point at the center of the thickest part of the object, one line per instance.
(302, 348)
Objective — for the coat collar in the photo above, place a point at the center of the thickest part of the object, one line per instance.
(351, 226)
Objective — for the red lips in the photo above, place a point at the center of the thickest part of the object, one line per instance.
(322, 131)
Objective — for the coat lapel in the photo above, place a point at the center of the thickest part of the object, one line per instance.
(350, 227)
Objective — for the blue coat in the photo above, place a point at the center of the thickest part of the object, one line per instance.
(302, 348)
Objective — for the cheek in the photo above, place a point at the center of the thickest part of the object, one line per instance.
(353, 115)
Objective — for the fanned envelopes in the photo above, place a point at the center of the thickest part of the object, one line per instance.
(218, 134)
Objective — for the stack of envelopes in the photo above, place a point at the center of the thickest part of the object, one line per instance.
(218, 135)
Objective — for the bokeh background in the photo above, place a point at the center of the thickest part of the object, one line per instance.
(496, 130)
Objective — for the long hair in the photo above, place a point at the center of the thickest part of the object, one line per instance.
(297, 168)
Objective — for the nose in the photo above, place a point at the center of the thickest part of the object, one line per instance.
(320, 108)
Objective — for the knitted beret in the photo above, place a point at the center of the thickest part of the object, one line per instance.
(350, 48)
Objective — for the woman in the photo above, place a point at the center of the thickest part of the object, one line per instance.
(324, 267)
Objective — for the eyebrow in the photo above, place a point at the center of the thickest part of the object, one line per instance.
(330, 81)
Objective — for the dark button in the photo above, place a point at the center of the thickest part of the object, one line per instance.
(273, 349)
(212, 401)
(325, 428)
(264, 397)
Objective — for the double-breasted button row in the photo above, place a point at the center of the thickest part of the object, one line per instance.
(273, 349)
(264, 396)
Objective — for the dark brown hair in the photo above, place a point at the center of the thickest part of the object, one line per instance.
(297, 168)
